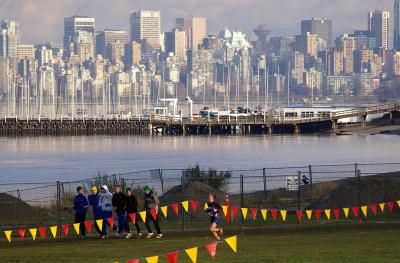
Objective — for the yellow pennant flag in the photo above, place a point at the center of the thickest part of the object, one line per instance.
(164, 210)
(99, 223)
(185, 205)
(346, 212)
(382, 206)
(192, 253)
(53, 231)
(264, 214)
(225, 209)
(77, 228)
(244, 212)
(398, 203)
(152, 259)
(33, 232)
(232, 242)
(328, 213)
(309, 214)
(283, 214)
(205, 206)
(143, 215)
(364, 209)
(8, 235)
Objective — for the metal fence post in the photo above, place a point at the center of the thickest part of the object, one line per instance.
(265, 182)
(59, 207)
(355, 170)
(310, 175)
(242, 198)
(298, 191)
(162, 180)
(182, 212)
(359, 192)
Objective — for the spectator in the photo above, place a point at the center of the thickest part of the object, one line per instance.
(105, 203)
(131, 204)
(118, 202)
(80, 207)
(151, 202)
(94, 201)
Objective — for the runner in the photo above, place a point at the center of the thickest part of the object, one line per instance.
(214, 209)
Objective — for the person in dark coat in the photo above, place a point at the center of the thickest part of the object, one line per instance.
(131, 205)
(118, 202)
(151, 202)
(94, 201)
(80, 207)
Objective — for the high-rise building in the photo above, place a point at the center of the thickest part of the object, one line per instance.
(307, 44)
(133, 54)
(175, 42)
(74, 24)
(103, 38)
(146, 25)
(10, 38)
(396, 21)
(320, 27)
(378, 23)
(346, 44)
(26, 52)
(195, 28)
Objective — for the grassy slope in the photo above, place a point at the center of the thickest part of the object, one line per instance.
(311, 243)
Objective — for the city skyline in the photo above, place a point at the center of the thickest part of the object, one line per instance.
(115, 15)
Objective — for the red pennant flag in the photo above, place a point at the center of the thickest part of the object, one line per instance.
(21, 233)
(132, 261)
(110, 221)
(373, 208)
(88, 226)
(253, 212)
(175, 208)
(234, 211)
(299, 214)
(132, 217)
(212, 249)
(194, 205)
(390, 206)
(65, 229)
(153, 213)
(355, 211)
(42, 231)
(172, 257)
(318, 214)
(336, 212)
(274, 213)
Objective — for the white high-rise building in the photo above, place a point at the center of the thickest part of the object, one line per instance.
(146, 25)
(10, 38)
(378, 23)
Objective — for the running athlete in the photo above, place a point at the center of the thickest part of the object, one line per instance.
(214, 209)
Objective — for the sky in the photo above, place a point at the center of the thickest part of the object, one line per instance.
(42, 20)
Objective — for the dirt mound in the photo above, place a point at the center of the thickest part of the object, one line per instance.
(194, 191)
(15, 211)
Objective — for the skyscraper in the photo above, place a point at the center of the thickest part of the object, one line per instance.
(396, 24)
(74, 24)
(195, 28)
(378, 23)
(146, 25)
(10, 38)
(106, 37)
(318, 26)
(175, 42)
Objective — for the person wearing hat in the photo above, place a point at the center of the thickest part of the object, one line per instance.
(118, 202)
(80, 207)
(94, 201)
(151, 202)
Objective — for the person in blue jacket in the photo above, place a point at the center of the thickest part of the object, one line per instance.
(80, 207)
(214, 210)
(94, 201)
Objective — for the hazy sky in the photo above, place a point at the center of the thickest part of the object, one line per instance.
(42, 20)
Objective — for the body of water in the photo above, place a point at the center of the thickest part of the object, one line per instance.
(47, 159)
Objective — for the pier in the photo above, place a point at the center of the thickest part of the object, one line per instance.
(252, 124)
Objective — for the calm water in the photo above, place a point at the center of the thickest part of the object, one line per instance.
(71, 158)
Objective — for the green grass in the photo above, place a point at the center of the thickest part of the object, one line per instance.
(350, 242)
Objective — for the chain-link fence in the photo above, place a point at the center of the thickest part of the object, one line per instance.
(287, 188)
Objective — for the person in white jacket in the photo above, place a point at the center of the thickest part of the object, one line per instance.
(105, 203)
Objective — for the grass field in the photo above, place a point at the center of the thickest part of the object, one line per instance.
(350, 242)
